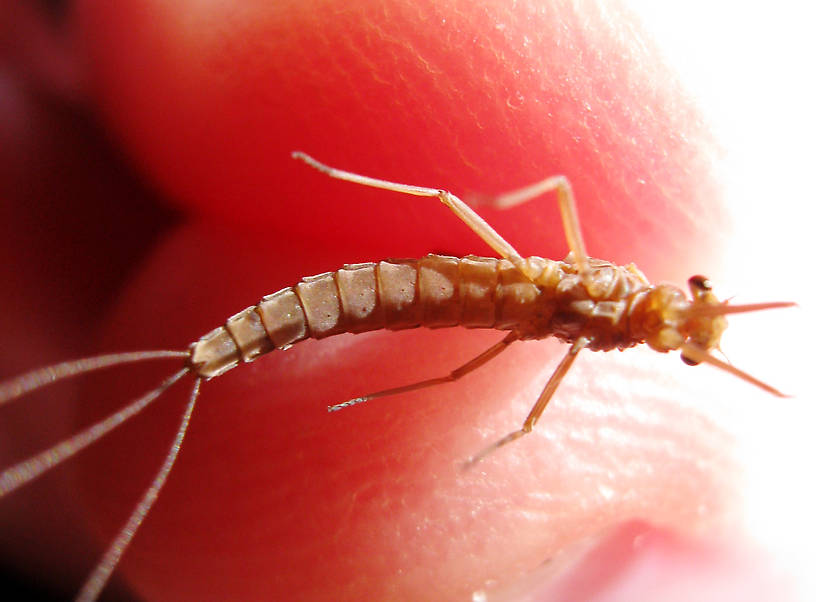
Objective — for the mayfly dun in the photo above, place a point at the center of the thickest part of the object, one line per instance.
(585, 302)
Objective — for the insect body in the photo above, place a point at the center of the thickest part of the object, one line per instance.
(585, 302)
(435, 292)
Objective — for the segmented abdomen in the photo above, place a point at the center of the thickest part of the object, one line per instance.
(435, 291)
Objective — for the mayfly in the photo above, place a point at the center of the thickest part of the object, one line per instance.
(585, 302)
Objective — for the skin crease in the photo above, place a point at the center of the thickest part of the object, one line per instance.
(273, 496)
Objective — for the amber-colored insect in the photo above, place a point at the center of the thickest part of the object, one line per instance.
(585, 302)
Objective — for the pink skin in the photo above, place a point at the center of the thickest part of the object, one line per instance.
(271, 494)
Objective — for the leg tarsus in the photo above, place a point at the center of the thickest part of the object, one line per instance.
(509, 438)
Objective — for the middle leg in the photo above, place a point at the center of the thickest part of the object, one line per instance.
(476, 362)
(567, 207)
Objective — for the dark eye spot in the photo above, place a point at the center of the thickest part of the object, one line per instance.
(700, 283)
(688, 360)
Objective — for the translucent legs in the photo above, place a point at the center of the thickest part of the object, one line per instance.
(540, 404)
(566, 204)
(476, 362)
(575, 240)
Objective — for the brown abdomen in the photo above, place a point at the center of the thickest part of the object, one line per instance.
(435, 291)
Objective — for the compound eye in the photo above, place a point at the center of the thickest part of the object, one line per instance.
(699, 283)
(688, 360)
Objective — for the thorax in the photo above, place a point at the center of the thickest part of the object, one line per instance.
(595, 305)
